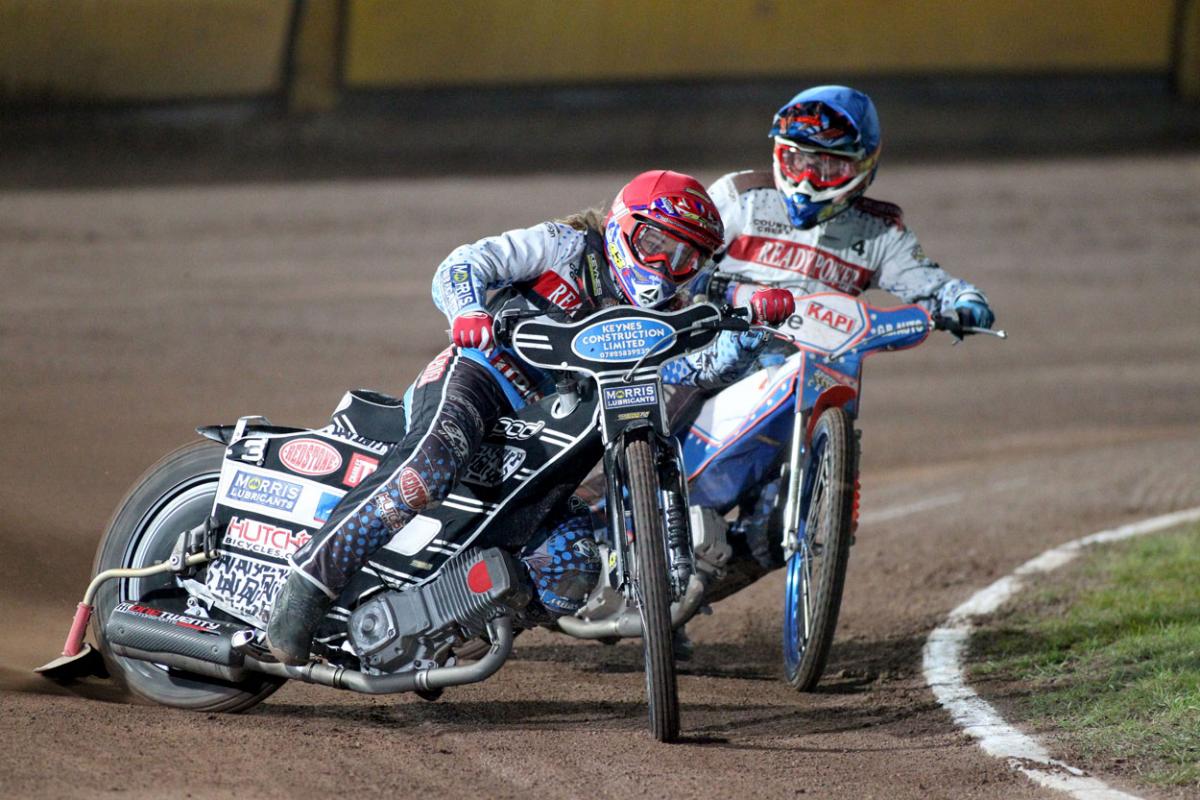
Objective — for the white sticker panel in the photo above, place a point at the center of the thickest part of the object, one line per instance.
(415, 536)
(825, 323)
(278, 495)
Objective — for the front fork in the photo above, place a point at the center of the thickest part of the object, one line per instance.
(676, 523)
(793, 510)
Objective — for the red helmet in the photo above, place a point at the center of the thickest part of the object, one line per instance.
(661, 230)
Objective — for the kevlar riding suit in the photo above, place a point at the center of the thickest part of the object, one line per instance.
(807, 226)
(662, 228)
(867, 246)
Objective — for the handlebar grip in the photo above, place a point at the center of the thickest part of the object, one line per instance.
(950, 324)
(506, 322)
(735, 324)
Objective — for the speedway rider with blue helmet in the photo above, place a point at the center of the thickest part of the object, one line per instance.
(661, 230)
(808, 226)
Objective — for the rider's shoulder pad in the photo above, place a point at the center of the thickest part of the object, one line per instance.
(888, 212)
(753, 179)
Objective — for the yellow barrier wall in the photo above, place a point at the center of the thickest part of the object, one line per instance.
(435, 42)
(141, 49)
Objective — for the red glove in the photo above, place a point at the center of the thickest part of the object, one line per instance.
(772, 306)
(473, 329)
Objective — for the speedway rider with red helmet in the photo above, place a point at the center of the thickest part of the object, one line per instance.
(661, 230)
(807, 226)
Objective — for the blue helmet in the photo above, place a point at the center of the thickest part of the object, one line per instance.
(826, 150)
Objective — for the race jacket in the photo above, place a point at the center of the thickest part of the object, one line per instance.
(867, 246)
(562, 272)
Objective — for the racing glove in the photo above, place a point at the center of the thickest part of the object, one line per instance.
(772, 306)
(473, 329)
(973, 311)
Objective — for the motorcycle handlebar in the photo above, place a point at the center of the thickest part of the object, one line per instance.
(732, 319)
(959, 331)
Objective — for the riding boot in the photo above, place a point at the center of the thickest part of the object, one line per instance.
(682, 645)
(298, 610)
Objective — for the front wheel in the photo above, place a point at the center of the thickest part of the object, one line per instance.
(816, 572)
(174, 495)
(653, 590)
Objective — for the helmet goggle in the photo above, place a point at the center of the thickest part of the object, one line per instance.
(672, 256)
(821, 169)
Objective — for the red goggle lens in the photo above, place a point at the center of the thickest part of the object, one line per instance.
(674, 256)
(822, 170)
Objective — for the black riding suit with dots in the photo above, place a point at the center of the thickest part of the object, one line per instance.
(459, 397)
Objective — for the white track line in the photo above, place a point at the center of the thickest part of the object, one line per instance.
(943, 664)
(904, 509)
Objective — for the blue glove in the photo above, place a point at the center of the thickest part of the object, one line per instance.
(973, 311)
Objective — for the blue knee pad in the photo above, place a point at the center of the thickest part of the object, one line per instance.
(564, 566)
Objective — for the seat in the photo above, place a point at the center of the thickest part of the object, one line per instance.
(371, 415)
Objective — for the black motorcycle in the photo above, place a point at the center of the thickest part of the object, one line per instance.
(188, 568)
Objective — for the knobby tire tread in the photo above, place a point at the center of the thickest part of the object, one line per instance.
(842, 448)
(654, 590)
(172, 470)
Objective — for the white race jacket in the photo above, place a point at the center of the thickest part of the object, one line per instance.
(558, 270)
(867, 246)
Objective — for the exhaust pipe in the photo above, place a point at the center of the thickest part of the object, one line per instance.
(500, 631)
(195, 644)
(221, 650)
(628, 623)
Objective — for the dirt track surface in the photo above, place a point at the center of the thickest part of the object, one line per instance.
(130, 316)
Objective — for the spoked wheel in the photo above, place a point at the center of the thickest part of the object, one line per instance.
(816, 572)
(175, 495)
(653, 590)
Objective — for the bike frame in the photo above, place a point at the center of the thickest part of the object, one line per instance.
(832, 334)
(830, 371)
(622, 350)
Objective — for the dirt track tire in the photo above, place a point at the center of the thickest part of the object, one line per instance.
(174, 495)
(653, 591)
(831, 517)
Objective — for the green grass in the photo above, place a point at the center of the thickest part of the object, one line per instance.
(1108, 650)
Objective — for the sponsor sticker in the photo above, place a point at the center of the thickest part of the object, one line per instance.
(263, 538)
(639, 394)
(360, 467)
(556, 291)
(391, 514)
(518, 429)
(844, 380)
(829, 317)
(802, 259)
(515, 375)
(358, 441)
(310, 457)
(493, 465)
(593, 271)
(413, 490)
(436, 368)
(621, 339)
(273, 493)
(326, 505)
(181, 620)
(626, 416)
(460, 284)
(899, 328)
(247, 585)
(455, 438)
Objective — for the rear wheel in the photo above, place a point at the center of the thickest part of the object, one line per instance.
(653, 590)
(816, 572)
(174, 495)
